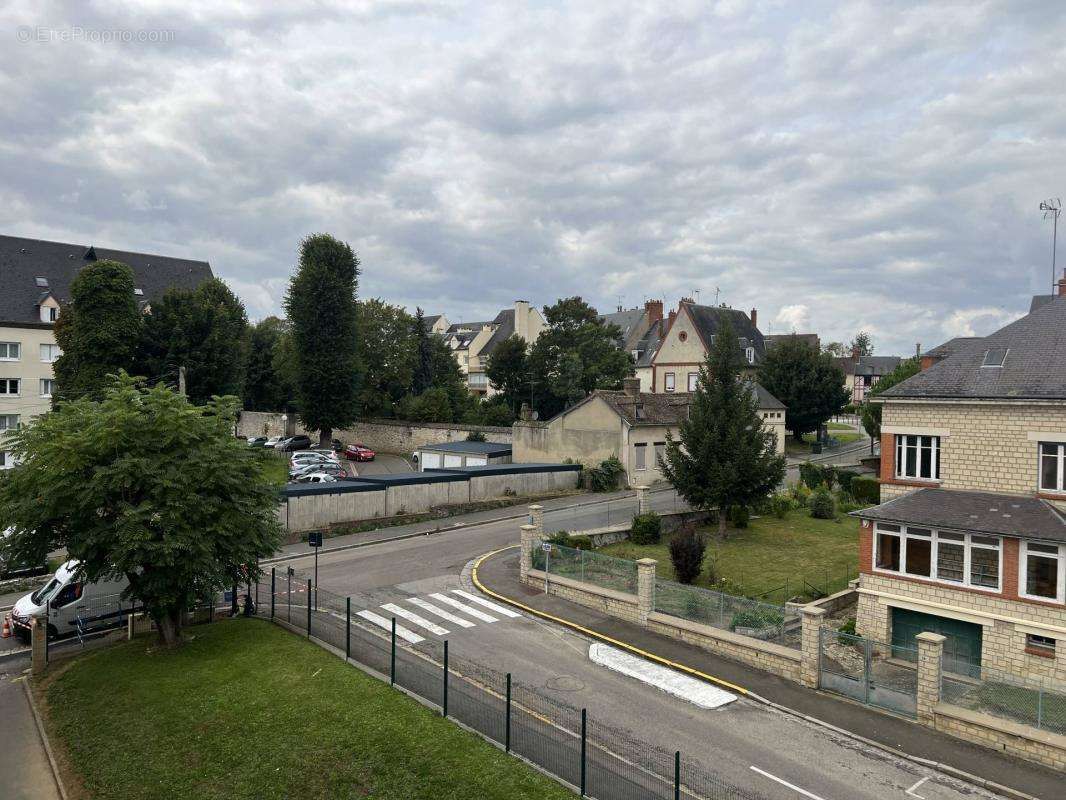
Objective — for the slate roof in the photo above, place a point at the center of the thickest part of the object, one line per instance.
(627, 320)
(810, 339)
(648, 345)
(1040, 300)
(504, 324)
(708, 318)
(22, 261)
(868, 365)
(952, 346)
(666, 409)
(1033, 351)
(974, 512)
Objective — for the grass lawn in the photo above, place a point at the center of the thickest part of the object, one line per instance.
(839, 426)
(276, 467)
(771, 551)
(247, 710)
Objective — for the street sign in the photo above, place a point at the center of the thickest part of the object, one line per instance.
(547, 546)
(315, 539)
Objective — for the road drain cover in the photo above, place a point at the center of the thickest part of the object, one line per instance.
(565, 683)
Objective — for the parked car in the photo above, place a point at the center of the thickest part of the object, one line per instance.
(336, 445)
(306, 469)
(295, 443)
(72, 604)
(257, 441)
(273, 441)
(317, 477)
(359, 452)
(312, 456)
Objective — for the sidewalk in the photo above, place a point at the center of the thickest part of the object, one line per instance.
(27, 775)
(499, 573)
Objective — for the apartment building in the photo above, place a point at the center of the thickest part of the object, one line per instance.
(473, 342)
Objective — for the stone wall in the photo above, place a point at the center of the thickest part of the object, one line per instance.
(1043, 747)
(384, 435)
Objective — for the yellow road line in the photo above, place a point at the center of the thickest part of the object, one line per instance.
(581, 629)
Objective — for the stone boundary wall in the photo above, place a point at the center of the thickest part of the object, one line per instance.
(612, 534)
(385, 435)
(1031, 744)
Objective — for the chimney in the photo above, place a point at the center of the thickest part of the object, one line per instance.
(654, 310)
(631, 386)
(1062, 283)
(927, 362)
(673, 316)
(521, 319)
(855, 352)
(688, 300)
(755, 318)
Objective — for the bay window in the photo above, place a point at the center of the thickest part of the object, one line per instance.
(918, 457)
(1043, 571)
(962, 559)
(1052, 467)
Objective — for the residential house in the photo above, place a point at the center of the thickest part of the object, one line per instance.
(642, 331)
(862, 372)
(628, 424)
(437, 323)
(810, 339)
(35, 279)
(687, 340)
(970, 537)
(474, 342)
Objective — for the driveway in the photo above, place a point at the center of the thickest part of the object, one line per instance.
(383, 464)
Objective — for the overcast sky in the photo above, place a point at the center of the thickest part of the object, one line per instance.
(837, 165)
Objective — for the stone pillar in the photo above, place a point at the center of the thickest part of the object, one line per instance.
(38, 634)
(643, 504)
(530, 539)
(536, 518)
(930, 659)
(811, 644)
(645, 588)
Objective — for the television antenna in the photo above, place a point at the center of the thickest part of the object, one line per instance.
(1052, 208)
(716, 290)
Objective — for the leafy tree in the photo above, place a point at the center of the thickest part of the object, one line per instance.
(387, 356)
(834, 349)
(143, 485)
(574, 355)
(284, 364)
(723, 455)
(204, 330)
(265, 388)
(806, 381)
(508, 371)
(870, 413)
(422, 378)
(862, 343)
(321, 308)
(97, 331)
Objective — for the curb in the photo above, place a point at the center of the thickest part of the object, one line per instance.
(977, 780)
(44, 740)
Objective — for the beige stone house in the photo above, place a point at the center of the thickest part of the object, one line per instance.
(35, 278)
(628, 424)
(473, 342)
(437, 323)
(969, 540)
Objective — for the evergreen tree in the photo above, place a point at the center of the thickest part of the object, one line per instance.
(870, 413)
(97, 331)
(723, 455)
(806, 381)
(321, 308)
(423, 371)
(508, 371)
(264, 388)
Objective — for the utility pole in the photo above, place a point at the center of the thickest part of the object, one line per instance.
(181, 381)
(1052, 208)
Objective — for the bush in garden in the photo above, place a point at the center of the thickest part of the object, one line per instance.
(814, 475)
(780, 504)
(801, 495)
(822, 505)
(739, 516)
(580, 542)
(866, 490)
(647, 529)
(604, 478)
(687, 549)
(844, 478)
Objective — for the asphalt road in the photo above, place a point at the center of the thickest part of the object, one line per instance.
(745, 742)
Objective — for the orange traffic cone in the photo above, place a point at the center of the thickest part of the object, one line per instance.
(6, 632)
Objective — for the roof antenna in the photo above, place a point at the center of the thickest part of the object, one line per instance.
(716, 290)
(697, 292)
(1053, 207)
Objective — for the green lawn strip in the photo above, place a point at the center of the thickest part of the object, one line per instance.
(839, 426)
(770, 551)
(276, 468)
(247, 710)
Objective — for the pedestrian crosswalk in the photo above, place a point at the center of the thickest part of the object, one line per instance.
(461, 609)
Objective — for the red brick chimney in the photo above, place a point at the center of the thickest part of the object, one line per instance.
(671, 318)
(855, 352)
(755, 318)
(654, 310)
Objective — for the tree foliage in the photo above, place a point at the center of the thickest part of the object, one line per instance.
(204, 330)
(687, 549)
(508, 371)
(862, 344)
(870, 413)
(321, 309)
(422, 378)
(142, 484)
(266, 386)
(723, 455)
(387, 356)
(97, 331)
(806, 381)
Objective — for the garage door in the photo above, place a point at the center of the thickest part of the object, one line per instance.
(429, 460)
(453, 461)
(962, 648)
(476, 461)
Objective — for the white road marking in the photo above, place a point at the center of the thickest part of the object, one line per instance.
(473, 612)
(803, 792)
(381, 622)
(421, 621)
(440, 612)
(503, 611)
(919, 783)
(696, 692)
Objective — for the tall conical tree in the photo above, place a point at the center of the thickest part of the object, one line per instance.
(423, 374)
(723, 455)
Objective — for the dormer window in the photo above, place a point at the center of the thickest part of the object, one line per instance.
(49, 313)
(638, 411)
(139, 292)
(41, 281)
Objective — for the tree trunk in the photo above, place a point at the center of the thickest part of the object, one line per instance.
(325, 437)
(169, 625)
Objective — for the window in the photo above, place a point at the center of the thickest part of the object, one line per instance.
(1053, 467)
(1039, 645)
(10, 351)
(683, 336)
(6, 461)
(1043, 572)
(918, 457)
(640, 452)
(49, 313)
(67, 595)
(669, 381)
(750, 355)
(958, 558)
(50, 352)
(8, 422)
(47, 387)
(660, 452)
(10, 386)
(638, 411)
(41, 281)
(693, 377)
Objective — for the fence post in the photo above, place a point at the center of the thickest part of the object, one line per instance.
(530, 540)
(643, 506)
(308, 608)
(810, 644)
(444, 702)
(677, 775)
(392, 656)
(584, 748)
(273, 584)
(645, 589)
(347, 628)
(507, 727)
(930, 660)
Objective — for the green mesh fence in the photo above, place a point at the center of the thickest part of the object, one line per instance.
(1038, 704)
(587, 566)
(742, 615)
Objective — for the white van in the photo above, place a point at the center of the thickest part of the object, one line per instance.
(73, 605)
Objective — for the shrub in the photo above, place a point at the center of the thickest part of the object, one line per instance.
(739, 516)
(814, 475)
(844, 478)
(780, 504)
(822, 505)
(561, 538)
(580, 542)
(475, 436)
(801, 495)
(866, 490)
(757, 618)
(647, 529)
(847, 628)
(687, 549)
(604, 478)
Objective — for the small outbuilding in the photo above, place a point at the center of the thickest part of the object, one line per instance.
(463, 454)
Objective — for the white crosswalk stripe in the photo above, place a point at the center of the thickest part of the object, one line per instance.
(380, 621)
(417, 619)
(493, 607)
(470, 612)
(440, 612)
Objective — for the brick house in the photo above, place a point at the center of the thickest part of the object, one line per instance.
(969, 540)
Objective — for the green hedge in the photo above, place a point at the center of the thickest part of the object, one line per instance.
(866, 490)
(647, 529)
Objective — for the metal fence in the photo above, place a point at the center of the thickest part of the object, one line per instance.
(587, 566)
(1038, 703)
(771, 623)
(598, 760)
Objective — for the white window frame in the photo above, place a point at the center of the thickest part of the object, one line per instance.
(52, 348)
(51, 382)
(1060, 487)
(17, 346)
(693, 380)
(7, 460)
(6, 383)
(1023, 570)
(901, 445)
(968, 547)
(750, 353)
(670, 381)
(5, 417)
(640, 449)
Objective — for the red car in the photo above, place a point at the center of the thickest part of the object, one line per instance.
(358, 452)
